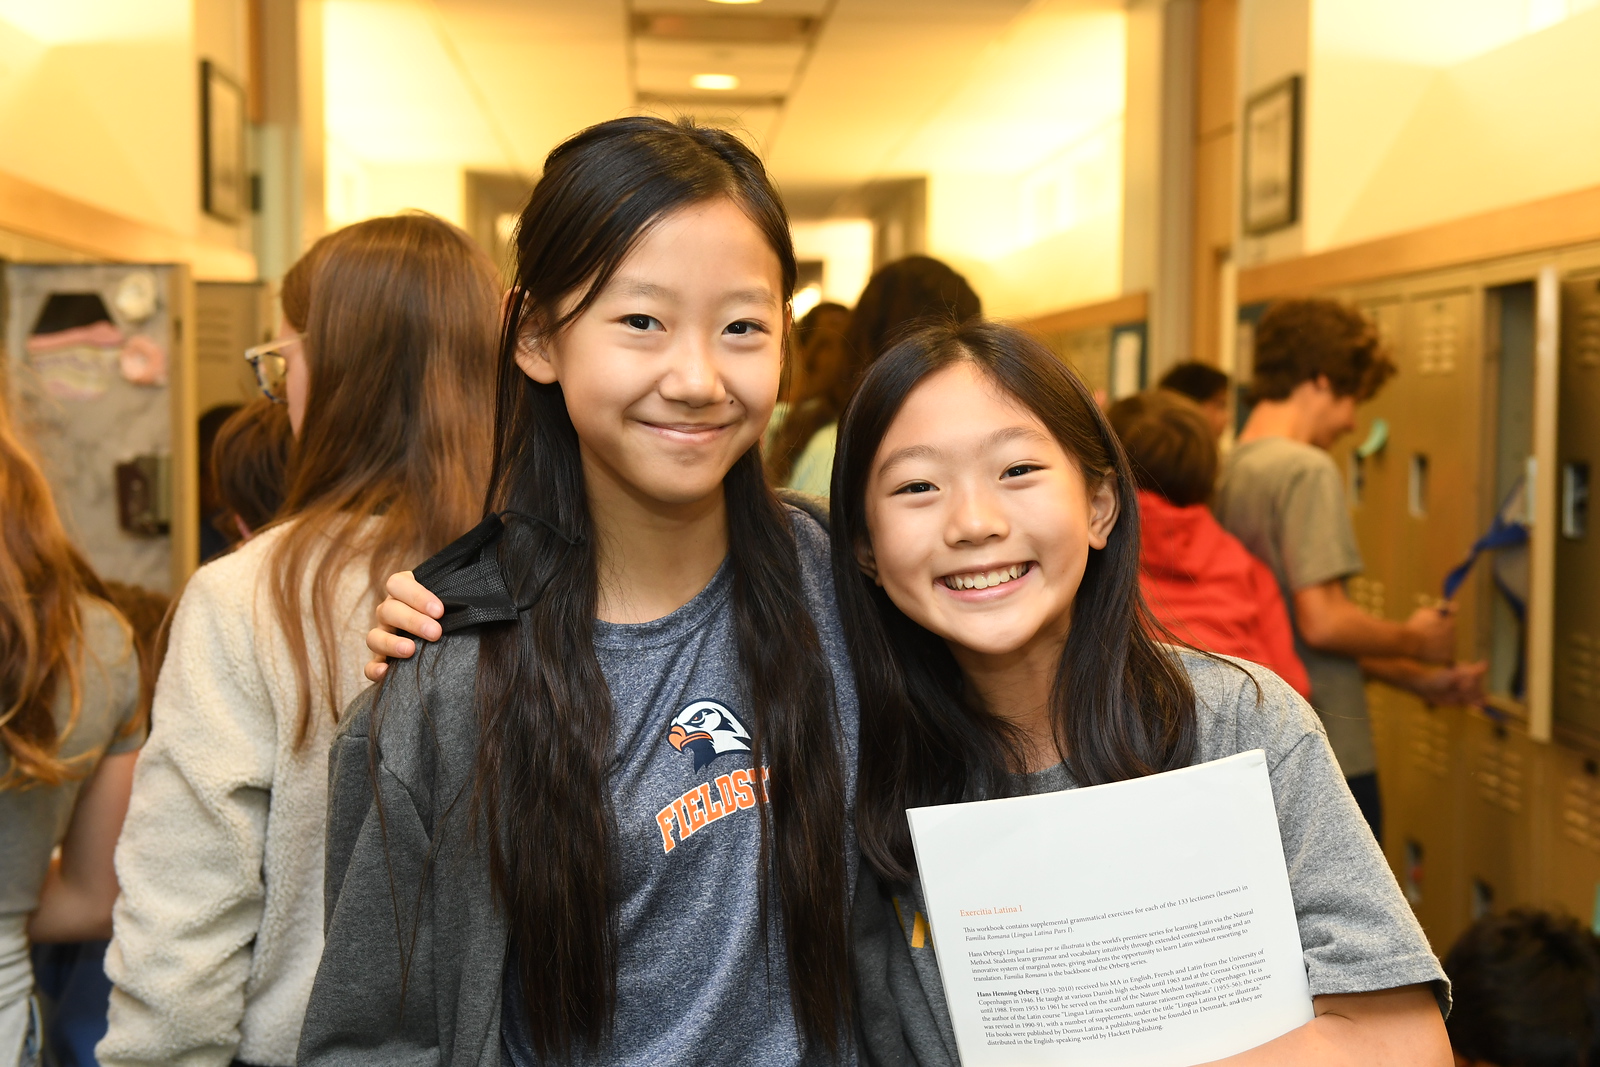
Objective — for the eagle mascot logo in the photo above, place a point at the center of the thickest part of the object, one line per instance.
(706, 730)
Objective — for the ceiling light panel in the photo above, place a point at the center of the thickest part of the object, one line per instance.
(669, 67)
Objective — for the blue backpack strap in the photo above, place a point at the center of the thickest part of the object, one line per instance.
(1502, 533)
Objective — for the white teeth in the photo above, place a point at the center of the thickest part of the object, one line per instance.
(986, 579)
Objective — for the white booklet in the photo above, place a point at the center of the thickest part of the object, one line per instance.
(1145, 923)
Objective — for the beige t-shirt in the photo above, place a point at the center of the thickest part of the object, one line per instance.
(1285, 501)
(34, 821)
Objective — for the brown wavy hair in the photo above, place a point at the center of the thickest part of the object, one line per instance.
(1303, 340)
(401, 321)
(43, 580)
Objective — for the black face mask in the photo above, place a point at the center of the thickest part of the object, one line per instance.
(465, 575)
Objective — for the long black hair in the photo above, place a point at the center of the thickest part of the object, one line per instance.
(545, 710)
(1122, 706)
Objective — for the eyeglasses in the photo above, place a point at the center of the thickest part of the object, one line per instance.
(272, 368)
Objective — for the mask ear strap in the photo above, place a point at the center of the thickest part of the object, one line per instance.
(546, 523)
(560, 534)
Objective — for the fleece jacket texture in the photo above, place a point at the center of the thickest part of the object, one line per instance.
(219, 926)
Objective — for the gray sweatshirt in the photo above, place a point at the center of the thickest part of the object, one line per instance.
(409, 903)
(1357, 932)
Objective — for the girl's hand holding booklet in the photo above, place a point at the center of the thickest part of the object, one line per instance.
(1145, 923)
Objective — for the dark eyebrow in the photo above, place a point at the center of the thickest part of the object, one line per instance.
(642, 288)
(639, 287)
(999, 437)
(761, 295)
(900, 455)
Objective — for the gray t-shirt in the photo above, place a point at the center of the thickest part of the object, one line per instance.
(33, 821)
(698, 980)
(1285, 501)
(1356, 930)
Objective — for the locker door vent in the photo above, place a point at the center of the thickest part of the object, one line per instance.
(218, 331)
(1439, 339)
(1588, 334)
(1580, 668)
(1580, 811)
(1430, 744)
(1499, 775)
(1367, 594)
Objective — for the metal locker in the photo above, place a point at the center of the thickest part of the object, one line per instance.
(1372, 486)
(1388, 741)
(1576, 697)
(1441, 508)
(1568, 825)
(1420, 825)
(1495, 808)
(229, 317)
(1502, 580)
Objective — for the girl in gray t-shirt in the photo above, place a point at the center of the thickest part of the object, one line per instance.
(986, 558)
(69, 728)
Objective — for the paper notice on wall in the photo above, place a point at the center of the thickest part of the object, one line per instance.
(1146, 923)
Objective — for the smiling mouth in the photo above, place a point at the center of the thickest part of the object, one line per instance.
(986, 579)
(688, 429)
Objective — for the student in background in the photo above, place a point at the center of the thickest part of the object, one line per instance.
(70, 725)
(249, 465)
(818, 354)
(1282, 496)
(1198, 579)
(212, 542)
(385, 368)
(71, 975)
(1526, 987)
(898, 296)
(812, 370)
(1206, 386)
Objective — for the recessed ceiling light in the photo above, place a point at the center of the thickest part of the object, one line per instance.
(715, 81)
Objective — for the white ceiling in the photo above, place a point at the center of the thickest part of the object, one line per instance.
(887, 88)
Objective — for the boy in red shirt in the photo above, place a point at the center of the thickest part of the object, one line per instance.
(1200, 581)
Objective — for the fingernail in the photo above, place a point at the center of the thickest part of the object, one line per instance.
(435, 608)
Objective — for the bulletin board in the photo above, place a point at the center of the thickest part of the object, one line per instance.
(98, 383)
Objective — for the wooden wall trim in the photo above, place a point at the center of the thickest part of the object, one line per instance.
(1134, 307)
(34, 211)
(1554, 222)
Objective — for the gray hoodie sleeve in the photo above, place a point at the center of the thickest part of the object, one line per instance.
(411, 964)
(373, 997)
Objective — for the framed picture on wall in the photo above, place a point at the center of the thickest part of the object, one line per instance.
(1272, 158)
(224, 184)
